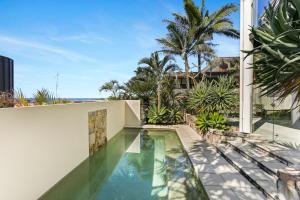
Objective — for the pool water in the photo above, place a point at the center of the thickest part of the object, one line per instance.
(133, 165)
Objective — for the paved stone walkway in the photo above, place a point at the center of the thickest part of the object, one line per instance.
(220, 180)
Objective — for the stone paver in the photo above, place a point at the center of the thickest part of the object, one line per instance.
(220, 180)
(261, 157)
(258, 175)
(291, 155)
(218, 192)
(254, 173)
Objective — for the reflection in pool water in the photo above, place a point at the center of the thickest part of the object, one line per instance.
(159, 170)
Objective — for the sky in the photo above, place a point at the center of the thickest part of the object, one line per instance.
(87, 42)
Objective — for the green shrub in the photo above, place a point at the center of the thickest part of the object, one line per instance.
(213, 120)
(217, 121)
(163, 116)
(216, 96)
(20, 98)
(43, 96)
(156, 116)
(202, 122)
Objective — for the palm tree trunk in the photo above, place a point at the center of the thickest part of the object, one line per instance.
(158, 97)
(199, 63)
(187, 72)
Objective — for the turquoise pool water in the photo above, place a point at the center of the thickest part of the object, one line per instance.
(131, 166)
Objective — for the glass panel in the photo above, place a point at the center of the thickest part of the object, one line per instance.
(276, 120)
(272, 118)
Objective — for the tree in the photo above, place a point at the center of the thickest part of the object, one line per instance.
(142, 86)
(206, 25)
(180, 42)
(158, 68)
(200, 26)
(112, 86)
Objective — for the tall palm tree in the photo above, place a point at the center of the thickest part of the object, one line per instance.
(158, 68)
(199, 27)
(206, 25)
(181, 42)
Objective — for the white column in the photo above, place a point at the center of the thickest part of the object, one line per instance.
(247, 19)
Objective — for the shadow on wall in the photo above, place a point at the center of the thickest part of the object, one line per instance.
(132, 114)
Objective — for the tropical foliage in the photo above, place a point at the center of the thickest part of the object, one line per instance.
(214, 120)
(142, 85)
(163, 116)
(188, 35)
(43, 96)
(192, 33)
(112, 86)
(220, 95)
(158, 69)
(276, 40)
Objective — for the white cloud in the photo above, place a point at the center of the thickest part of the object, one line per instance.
(26, 45)
(87, 38)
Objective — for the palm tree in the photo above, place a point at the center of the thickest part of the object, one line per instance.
(112, 86)
(158, 68)
(199, 27)
(206, 25)
(180, 42)
(142, 85)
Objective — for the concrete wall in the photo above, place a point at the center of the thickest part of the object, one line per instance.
(40, 145)
(132, 114)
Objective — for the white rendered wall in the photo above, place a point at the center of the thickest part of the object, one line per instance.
(40, 145)
(247, 19)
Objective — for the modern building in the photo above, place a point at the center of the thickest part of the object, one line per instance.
(262, 114)
(6, 74)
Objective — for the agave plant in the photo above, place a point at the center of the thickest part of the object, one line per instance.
(156, 116)
(199, 97)
(277, 58)
(174, 116)
(213, 120)
(220, 96)
(217, 121)
(223, 96)
(203, 123)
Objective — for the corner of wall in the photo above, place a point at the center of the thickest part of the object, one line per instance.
(132, 113)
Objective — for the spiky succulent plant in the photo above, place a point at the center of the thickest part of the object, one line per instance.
(277, 50)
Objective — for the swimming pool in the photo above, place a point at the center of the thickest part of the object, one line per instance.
(135, 164)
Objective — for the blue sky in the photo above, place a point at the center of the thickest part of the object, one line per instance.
(88, 42)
